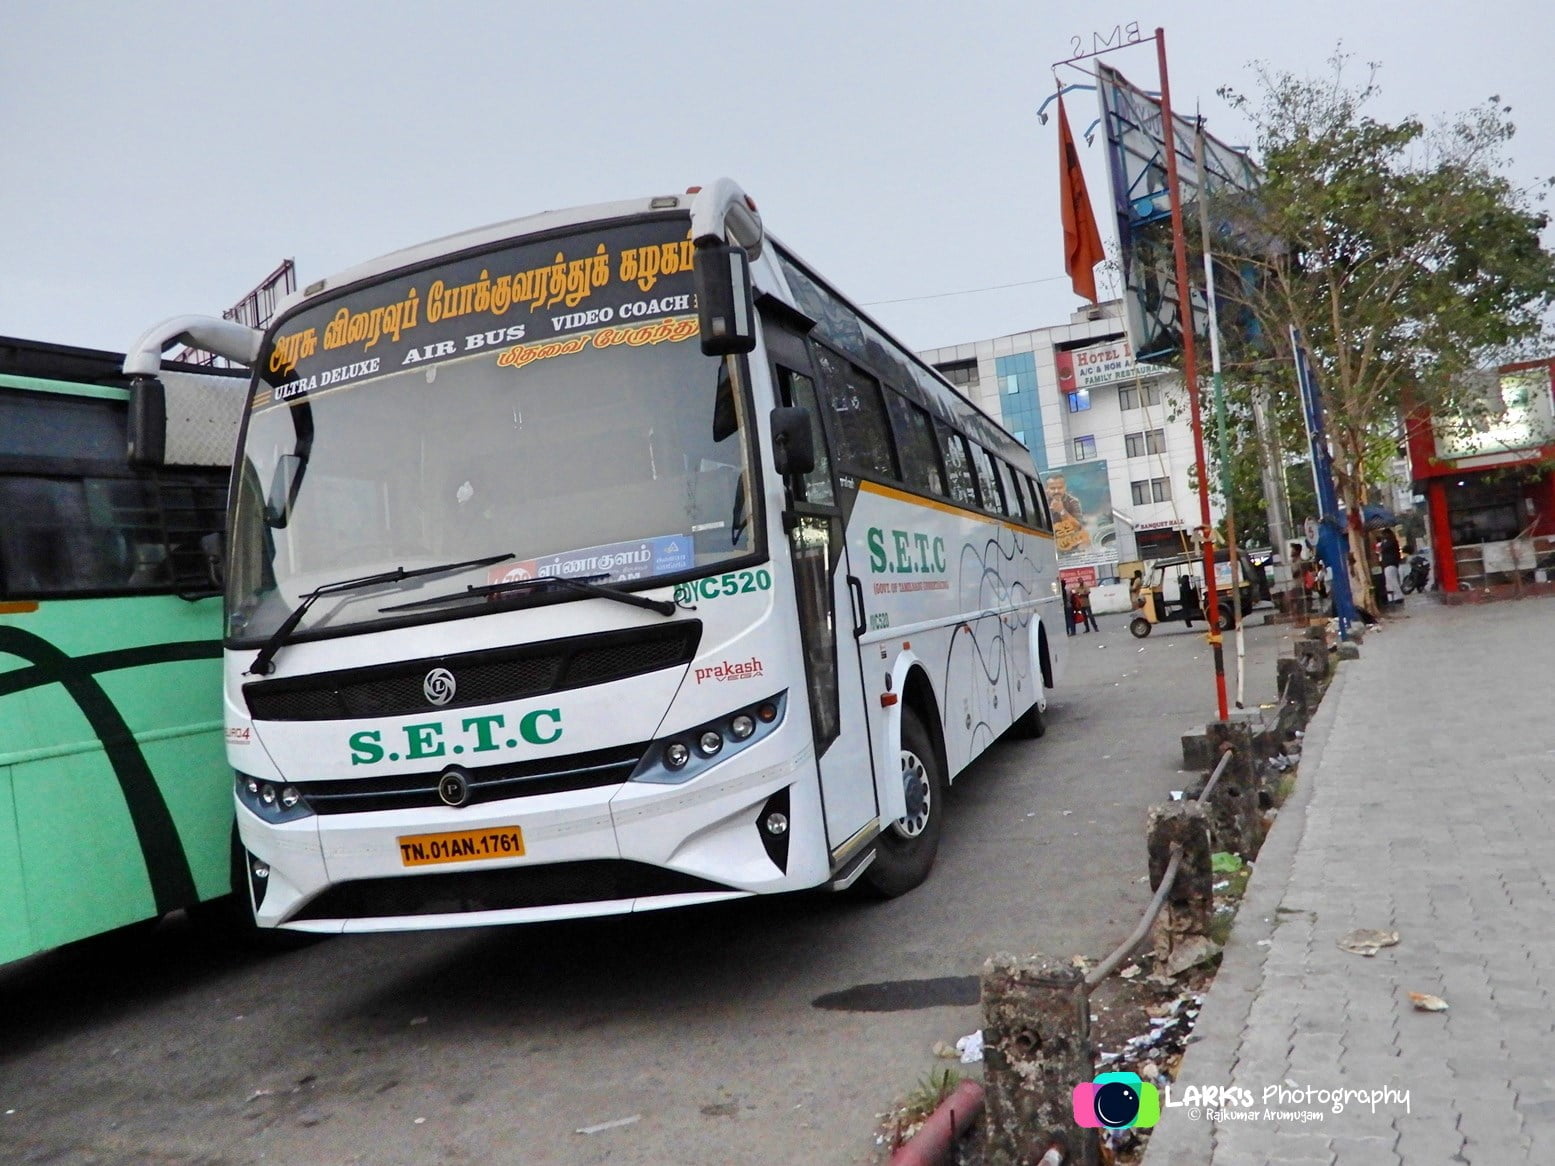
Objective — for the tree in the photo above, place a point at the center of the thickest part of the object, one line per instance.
(1247, 485)
(1402, 255)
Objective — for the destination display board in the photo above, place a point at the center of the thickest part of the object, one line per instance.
(627, 284)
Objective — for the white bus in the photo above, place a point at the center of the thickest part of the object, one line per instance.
(603, 561)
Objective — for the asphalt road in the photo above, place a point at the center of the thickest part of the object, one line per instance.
(697, 1030)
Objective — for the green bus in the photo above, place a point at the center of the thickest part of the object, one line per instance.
(115, 794)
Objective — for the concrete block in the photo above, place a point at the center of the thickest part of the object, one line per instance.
(1037, 1044)
(1198, 751)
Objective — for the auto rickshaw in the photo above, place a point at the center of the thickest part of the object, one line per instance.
(1164, 599)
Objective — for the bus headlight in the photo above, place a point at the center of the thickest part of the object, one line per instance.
(670, 760)
(273, 801)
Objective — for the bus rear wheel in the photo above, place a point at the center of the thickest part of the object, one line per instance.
(905, 850)
(1031, 724)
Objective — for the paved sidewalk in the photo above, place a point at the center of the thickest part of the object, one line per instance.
(1425, 805)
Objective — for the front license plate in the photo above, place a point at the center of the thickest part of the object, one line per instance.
(461, 846)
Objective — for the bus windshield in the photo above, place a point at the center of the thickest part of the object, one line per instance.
(618, 451)
(626, 460)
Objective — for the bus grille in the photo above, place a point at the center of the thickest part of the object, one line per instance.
(551, 885)
(480, 678)
(490, 783)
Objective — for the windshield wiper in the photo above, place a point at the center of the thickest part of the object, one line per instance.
(583, 584)
(264, 662)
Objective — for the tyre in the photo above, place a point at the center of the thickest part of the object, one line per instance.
(905, 850)
(228, 921)
(1407, 584)
(1139, 627)
(1030, 725)
(1227, 619)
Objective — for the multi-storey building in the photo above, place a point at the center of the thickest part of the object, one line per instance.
(1075, 396)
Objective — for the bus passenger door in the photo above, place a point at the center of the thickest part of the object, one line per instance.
(827, 610)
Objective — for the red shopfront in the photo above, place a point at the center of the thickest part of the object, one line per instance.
(1490, 486)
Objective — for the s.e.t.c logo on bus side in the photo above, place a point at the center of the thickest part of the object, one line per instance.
(915, 553)
(471, 735)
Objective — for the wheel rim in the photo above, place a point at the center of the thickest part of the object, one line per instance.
(920, 796)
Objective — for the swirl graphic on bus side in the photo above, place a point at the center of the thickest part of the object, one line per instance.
(167, 866)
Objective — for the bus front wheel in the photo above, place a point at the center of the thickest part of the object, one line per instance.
(229, 920)
(904, 853)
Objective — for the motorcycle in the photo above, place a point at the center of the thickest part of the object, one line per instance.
(1416, 573)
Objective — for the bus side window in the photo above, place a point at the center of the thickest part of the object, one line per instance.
(915, 444)
(79, 535)
(987, 484)
(799, 390)
(1015, 505)
(193, 504)
(1038, 504)
(852, 397)
(958, 466)
(88, 535)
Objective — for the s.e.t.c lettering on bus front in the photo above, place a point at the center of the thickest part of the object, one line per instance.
(429, 739)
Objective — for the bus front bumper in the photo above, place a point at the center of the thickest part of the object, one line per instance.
(592, 852)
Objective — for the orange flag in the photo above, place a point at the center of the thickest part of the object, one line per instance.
(1082, 241)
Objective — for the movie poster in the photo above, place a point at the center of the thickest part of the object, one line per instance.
(1079, 497)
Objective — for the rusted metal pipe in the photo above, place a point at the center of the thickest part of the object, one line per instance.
(931, 1145)
(1104, 969)
(1220, 768)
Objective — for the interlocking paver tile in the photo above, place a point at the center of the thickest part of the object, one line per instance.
(1455, 850)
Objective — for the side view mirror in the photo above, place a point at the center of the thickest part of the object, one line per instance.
(147, 444)
(283, 490)
(793, 443)
(725, 307)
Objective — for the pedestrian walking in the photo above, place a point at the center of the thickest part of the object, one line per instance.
(1069, 608)
(1392, 556)
(1188, 598)
(1082, 604)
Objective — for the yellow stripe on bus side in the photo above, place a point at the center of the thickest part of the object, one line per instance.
(947, 507)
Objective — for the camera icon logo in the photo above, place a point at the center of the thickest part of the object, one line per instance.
(1116, 1101)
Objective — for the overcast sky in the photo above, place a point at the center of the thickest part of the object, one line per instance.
(162, 158)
